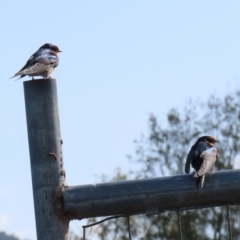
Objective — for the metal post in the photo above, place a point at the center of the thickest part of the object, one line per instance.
(229, 224)
(45, 149)
(129, 229)
(179, 225)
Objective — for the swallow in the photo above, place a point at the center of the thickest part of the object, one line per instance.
(202, 156)
(41, 63)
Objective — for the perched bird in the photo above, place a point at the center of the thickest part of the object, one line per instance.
(202, 156)
(41, 63)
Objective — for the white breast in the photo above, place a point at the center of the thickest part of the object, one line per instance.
(209, 158)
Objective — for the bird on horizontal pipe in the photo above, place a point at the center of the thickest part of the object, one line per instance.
(202, 156)
(41, 63)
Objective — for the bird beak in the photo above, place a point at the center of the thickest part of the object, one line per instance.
(59, 51)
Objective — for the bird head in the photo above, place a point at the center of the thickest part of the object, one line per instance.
(209, 139)
(53, 48)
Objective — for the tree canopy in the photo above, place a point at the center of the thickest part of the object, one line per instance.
(4, 236)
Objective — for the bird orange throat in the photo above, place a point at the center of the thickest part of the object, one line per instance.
(212, 144)
(55, 52)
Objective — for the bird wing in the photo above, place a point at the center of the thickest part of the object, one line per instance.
(31, 61)
(209, 157)
(192, 154)
(36, 64)
(35, 69)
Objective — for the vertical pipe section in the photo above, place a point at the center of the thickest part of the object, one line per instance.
(229, 224)
(179, 225)
(129, 229)
(48, 175)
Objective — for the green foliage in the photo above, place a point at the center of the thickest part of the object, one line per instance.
(164, 152)
(4, 236)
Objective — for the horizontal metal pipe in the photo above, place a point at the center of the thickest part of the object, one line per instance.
(152, 196)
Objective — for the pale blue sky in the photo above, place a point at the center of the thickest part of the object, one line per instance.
(121, 61)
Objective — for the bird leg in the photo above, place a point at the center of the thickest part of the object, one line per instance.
(198, 181)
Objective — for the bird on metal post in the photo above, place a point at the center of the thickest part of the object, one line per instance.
(41, 63)
(202, 156)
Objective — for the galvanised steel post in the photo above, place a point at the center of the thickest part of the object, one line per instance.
(45, 147)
